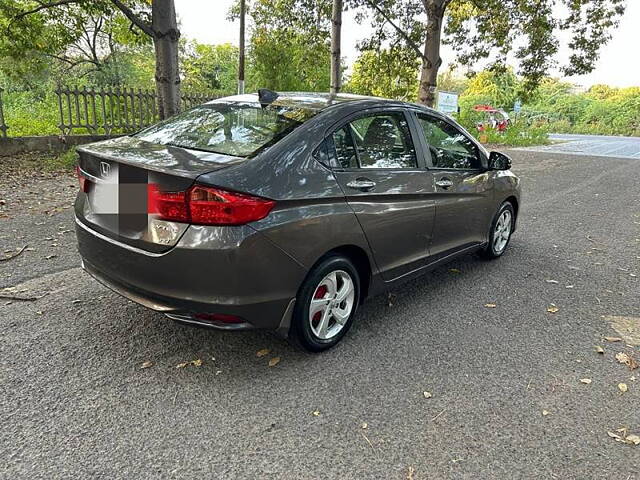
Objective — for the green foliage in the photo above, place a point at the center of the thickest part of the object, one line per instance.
(289, 45)
(64, 161)
(31, 113)
(390, 73)
(211, 68)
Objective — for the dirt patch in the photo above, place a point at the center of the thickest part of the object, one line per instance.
(29, 185)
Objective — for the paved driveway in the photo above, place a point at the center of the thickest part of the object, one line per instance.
(507, 401)
(593, 145)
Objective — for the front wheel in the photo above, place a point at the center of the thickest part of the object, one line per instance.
(326, 304)
(500, 233)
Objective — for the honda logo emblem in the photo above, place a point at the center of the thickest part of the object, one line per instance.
(105, 169)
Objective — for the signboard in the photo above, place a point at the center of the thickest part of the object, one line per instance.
(517, 106)
(447, 102)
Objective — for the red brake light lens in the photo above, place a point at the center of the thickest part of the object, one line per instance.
(82, 180)
(203, 205)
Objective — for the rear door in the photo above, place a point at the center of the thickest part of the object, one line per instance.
(463, 186)
(383, 176)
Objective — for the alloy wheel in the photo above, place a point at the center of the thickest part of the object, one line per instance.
(331, 304)
(502, 231)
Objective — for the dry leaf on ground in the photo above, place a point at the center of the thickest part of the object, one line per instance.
(626, 359)
(316, 413)
(274, 361)
(146, 364)
(552, 308)
(586, 381)
(196, 363)
(624, 438)
(263, 352)
(490, 305)
(623, 387)
(454, 270)
(427, 394)
(613, 339)
(599, 349)
(552, 281)
(545, 413)
(634, 439)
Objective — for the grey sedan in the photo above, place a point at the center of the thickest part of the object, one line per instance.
(285, 211)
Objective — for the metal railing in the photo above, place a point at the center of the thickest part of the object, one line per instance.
(3, 125)
(113, 109)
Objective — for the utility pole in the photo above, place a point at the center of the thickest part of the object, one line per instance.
(336, 27)
(241, 59)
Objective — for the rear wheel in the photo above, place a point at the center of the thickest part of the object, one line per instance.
(500, 233)
(326, 304)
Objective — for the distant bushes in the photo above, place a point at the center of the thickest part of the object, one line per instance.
(31, 113)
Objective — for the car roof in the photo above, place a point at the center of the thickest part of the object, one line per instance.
(320, 101)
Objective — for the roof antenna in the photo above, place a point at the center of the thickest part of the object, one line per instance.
(266, 96)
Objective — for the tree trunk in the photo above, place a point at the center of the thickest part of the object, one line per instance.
(336, 27)
(241, 57)
(165, 41)
(432, 61)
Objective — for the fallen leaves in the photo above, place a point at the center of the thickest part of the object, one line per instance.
(316, 413)
(545, 413)
(196, 363)
(146, 364)
(454, 270)
(274, 361)
(613, 339)
(263, 352)
(627, 360)
(427, 394)
(623, 387)
(490, 305)
(599, 349)
(555, 282)
(586, 381)
(621, 436)
(552, 308)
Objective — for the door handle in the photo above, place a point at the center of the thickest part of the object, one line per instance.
(363, 184)
(444, 183)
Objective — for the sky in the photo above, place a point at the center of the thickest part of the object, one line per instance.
(618, 65)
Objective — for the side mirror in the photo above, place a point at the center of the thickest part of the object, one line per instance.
(499, 161)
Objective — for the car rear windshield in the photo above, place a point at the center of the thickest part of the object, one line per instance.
(228, 128)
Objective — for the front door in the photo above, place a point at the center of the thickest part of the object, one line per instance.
(390, 192)
(464, 188)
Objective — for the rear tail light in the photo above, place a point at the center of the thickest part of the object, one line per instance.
(202, 205)
(82, 180)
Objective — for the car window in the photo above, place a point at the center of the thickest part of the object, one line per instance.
(449, 147)
(344, 150)
(384, 141)
(230, 128)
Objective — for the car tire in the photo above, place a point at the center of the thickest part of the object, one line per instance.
(500, 232)
(319, 326)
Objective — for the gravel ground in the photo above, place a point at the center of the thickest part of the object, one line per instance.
(506, 396)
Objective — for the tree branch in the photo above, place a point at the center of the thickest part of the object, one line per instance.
(138, 22)
(44, 6)
(402, 33)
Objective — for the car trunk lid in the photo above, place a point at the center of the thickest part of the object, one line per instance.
(119, 174)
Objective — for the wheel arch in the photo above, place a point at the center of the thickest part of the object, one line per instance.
(514, 202)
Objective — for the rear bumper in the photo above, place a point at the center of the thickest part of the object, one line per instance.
(221, 270)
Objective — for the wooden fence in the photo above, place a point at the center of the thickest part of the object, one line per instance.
(113, 109)
(3, 125)
(108, 111)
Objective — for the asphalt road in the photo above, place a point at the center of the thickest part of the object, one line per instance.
(594, 145)
(74, 402)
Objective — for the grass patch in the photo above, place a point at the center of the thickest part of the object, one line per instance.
(63, 161)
